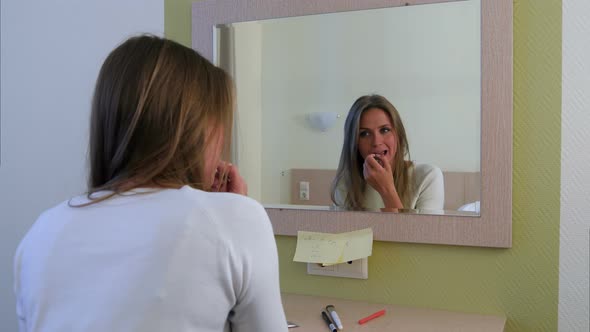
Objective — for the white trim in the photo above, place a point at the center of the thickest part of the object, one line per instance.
(575, 174)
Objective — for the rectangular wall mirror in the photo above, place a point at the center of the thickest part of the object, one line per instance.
(298, 68)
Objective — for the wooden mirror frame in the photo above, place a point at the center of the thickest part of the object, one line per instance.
(493, 228)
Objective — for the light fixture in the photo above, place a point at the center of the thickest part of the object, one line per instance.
(322, 120)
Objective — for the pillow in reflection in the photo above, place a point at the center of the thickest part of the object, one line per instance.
(471, 207)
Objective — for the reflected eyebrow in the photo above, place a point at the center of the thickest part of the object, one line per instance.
(385, 125)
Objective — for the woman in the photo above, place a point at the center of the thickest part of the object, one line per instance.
(165, 239)
(373, 172)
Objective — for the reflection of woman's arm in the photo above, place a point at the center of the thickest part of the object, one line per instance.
(431, 190)
(391, 199)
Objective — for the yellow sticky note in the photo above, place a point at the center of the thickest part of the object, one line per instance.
(329, 248)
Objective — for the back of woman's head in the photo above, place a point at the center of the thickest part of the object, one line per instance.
(155, 106)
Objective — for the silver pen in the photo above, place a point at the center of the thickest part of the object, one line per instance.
(332, 311)
(328, 321)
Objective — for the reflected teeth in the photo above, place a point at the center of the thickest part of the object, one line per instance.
(378, 159)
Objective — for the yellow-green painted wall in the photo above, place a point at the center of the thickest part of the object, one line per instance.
(521, 282)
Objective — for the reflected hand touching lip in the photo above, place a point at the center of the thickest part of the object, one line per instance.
(378, 173)
(378, 157)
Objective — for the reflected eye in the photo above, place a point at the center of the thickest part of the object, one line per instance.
(363, 133)
(385, 130)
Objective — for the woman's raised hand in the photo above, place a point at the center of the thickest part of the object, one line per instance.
(378, 173)
(228, 179)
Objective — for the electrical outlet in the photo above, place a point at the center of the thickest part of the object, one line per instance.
(358, 269)
(303, 196)
(304, 191)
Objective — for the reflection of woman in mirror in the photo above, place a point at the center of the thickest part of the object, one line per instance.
(373, 172)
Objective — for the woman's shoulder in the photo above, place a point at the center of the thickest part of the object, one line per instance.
(228, 201)
(183, 201)
(238, 217)
(229, 207)
(47, 223)
(425, 167)
(424, 171)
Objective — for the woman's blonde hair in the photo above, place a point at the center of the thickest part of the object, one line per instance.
(156, 105)
(349, 175)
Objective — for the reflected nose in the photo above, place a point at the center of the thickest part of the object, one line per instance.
(377, 139)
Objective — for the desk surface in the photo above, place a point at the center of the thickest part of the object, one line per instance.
(306, 312)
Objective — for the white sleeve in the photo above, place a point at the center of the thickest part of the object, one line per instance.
(339, 196)
(259, 307)
(22, 323)
(431, 192)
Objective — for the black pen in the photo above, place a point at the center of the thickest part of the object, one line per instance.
(328, 321)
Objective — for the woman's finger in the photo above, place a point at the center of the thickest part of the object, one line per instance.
(387, 166)
(371, 160)
(235, 182)
(221, 174)
(368, 169)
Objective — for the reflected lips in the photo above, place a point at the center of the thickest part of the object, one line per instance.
(378, 156)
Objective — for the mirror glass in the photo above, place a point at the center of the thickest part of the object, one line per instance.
(297, 77)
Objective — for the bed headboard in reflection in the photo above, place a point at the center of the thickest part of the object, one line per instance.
(460, 187)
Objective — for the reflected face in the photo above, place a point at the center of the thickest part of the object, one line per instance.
(376, 135)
